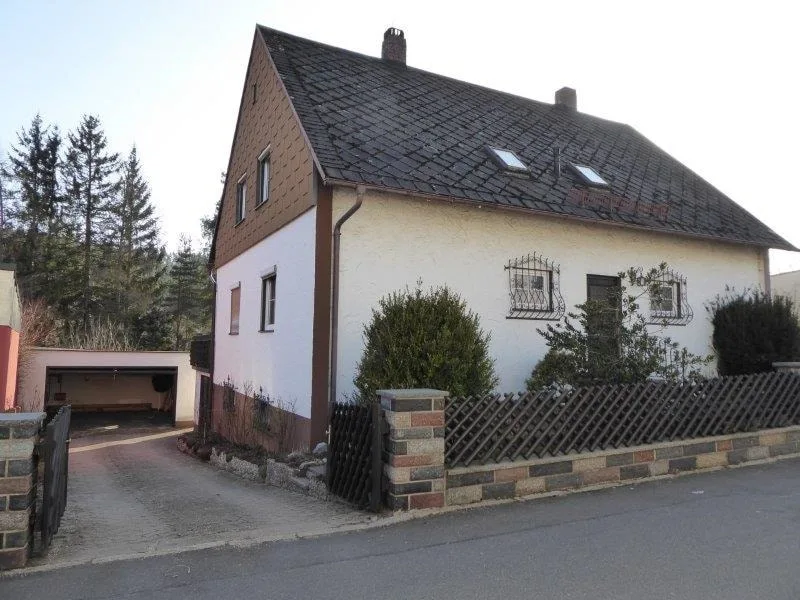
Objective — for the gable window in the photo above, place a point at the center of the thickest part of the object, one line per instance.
(263, 178)
(507, 159)
(668, 301)
(534, 288)
(241, 199)
(268, 301)
(236, 295)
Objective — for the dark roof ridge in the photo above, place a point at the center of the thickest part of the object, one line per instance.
(379, 60)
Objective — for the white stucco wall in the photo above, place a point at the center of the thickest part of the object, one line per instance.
(788, 285)
(393, 241)
(32, 388)
(278, 361)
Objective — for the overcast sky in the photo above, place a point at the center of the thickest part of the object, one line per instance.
(715, 84)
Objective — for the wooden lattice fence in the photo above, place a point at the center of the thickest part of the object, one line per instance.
(354, 454)
(585, 419)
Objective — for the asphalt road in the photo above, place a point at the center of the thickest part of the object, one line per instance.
(726, 535)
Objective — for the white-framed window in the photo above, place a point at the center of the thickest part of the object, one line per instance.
(665, 300)
(263, 178)
(241, 199)
(267, 320)
(532, 290)
(236, 297)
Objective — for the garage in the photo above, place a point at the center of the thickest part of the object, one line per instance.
(146, 387)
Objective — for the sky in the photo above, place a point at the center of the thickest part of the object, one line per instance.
(715, 84)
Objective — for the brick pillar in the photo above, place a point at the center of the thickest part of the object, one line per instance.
(414, 453)
(18, 434)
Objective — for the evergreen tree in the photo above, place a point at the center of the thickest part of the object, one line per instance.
(90, 172)
(187, 294)
(38, 211)
(136, 276)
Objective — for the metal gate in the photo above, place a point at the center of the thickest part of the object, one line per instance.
(53, 451)
(355, 467)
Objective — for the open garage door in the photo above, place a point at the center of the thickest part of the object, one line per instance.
(113, 394)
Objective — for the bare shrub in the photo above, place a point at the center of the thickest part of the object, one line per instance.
(101, 334)
(38, 328)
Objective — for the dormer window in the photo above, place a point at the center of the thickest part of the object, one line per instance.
(588, 175)
(507, 159)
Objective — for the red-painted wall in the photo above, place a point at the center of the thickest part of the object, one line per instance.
(9, 357)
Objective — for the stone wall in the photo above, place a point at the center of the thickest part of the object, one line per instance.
(18, 435)
(417, 477)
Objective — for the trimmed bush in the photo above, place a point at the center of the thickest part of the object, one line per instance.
(753, 330)
(429, 339)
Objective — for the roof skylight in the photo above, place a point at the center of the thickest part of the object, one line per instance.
(589, 175)
(508, 159)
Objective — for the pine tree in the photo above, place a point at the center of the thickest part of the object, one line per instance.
(187, 294)
(137, 273)
(90, 172)
(43, 245)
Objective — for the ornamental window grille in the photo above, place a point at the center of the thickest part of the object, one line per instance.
(668, 301)
(261, 411)
(228, 396)
(534, 284)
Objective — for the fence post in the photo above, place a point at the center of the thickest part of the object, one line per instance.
(18, 435)
(414, 457)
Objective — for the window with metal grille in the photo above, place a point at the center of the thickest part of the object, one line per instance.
(668, 301)
(534, 288)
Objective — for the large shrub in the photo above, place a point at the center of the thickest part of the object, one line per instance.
(425, 339)
(753, 330)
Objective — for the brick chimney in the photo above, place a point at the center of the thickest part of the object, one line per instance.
(394, 45)
(567, 97)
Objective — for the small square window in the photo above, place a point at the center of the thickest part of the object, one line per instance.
(507, 159)
(665, 300)
(268, 302)
(236, 295)
(263, 179)
(531, 290)
(241, 199)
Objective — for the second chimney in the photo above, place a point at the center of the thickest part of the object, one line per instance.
(394, 45)
(567, 97)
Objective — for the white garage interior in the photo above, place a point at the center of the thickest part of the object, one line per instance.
(158, 385)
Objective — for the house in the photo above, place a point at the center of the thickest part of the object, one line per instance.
(788, 285)
(10, 327)
(352, 176)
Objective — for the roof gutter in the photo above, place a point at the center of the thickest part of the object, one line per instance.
(337, 235)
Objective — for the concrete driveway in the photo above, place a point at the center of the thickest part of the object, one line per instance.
(131, 493)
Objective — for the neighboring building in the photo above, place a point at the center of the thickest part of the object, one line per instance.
(10, 326)
(788, 285)
(522, 207)
(110, 381)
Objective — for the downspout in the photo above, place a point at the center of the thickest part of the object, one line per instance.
(337, 234)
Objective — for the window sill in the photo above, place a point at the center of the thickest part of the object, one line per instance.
(235, 225)
(262, 203)
(233, 333)
(269, 329)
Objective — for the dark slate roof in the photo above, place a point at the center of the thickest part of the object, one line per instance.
(384, 124)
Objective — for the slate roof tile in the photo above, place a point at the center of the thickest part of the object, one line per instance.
(385, 124)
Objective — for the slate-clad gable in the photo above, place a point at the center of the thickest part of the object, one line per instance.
(385, 124)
